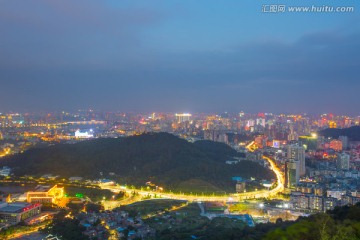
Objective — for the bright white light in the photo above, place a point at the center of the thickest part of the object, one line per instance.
(183, 114)
(79, 134)
(261, 205)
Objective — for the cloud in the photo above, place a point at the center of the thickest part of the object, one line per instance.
(67, 33)
(88, 53)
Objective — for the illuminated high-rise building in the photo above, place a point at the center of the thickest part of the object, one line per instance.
(293, 136)
(345, 141)
(292, 173)
(2, 121)
(343, 161)
(297, 153)
(260, 121)
(216, 136)
(9, 121)
(250, 123)
(182, 117)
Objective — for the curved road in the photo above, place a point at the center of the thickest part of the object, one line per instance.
(235, 197)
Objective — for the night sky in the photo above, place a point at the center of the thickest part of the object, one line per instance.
(184, 55)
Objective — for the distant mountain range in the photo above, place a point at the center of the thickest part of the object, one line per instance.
(161, 158)
(353, 133)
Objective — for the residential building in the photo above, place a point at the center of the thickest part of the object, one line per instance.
(297, 153)
(343, 161)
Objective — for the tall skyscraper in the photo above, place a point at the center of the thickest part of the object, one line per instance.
(9, 121)
(216, 135)
(293, 136)
(292, 173)
(2, 121)
(297, 153)
(182, 117)
(345, 141)
(261, 122)
(343, 161)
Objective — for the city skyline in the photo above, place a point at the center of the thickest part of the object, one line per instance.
(150, 114)
(189, 56)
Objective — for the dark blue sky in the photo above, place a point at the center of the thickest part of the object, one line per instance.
(185, 55)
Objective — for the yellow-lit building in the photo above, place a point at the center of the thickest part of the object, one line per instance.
(332, 124)
(45, 194)
(2, 121)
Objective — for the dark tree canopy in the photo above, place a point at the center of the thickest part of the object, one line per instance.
(353, 133)
(159, 157)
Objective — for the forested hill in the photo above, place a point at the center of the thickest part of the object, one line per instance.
(159, 157)
(217, 150)
(353, 133)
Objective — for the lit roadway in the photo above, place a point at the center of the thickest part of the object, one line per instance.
(279, 176)
(231, 197)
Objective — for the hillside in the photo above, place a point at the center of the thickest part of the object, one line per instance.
(340, 223)
(353, 133)
(159, 157)
(216, 149)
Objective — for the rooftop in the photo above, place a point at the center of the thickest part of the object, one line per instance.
(16, 207)
(41, 188)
